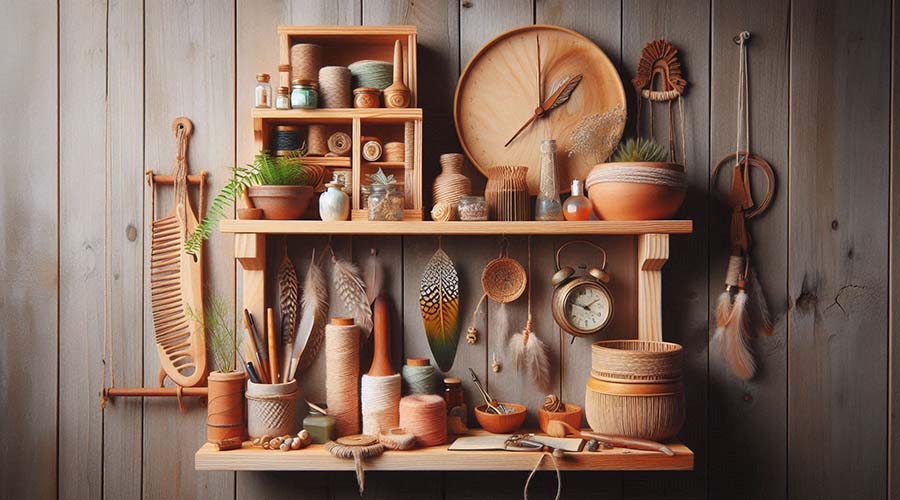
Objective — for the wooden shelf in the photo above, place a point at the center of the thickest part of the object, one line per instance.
(340, 115)
(327, 161)
(458, 228)
(384, 164)
(438, 458)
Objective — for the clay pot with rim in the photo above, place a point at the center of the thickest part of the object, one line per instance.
(225, 406)
(635, 200)
(281, 202)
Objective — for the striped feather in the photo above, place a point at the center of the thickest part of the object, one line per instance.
(439, 303)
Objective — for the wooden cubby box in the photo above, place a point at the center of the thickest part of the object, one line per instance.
(343, 45)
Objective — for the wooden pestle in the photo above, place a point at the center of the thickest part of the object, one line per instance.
(558, 428)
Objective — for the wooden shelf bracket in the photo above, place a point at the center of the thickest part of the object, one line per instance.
(653, 252)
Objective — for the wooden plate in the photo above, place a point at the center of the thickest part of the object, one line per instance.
(498, 92)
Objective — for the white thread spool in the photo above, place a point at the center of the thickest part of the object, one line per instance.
(380, 403)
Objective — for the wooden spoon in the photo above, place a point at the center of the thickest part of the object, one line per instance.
(558, 428)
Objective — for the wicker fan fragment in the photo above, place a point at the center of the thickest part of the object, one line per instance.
(659, 57)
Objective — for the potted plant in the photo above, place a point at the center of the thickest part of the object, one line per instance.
(639, 184)
(225, 408)
(386, 199)
(282, 187)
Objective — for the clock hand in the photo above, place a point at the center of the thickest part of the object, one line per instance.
(556, 99)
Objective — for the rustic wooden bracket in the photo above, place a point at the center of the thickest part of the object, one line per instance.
(250, 251)
(653, 252)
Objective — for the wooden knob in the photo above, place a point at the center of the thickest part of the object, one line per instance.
(342, 321)
(418, 361)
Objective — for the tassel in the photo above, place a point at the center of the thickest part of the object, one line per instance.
(762, 316)
(723, 311)
(736, 339)
(530, 354)
(503, 322)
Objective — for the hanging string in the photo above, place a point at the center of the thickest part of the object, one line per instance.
(537, 466)
(743, 98)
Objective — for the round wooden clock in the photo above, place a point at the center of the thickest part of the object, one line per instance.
(551, 83)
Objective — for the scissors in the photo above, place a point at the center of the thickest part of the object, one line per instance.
(522, 442)
(740, 196)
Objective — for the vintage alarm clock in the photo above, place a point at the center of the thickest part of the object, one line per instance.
(582, 305)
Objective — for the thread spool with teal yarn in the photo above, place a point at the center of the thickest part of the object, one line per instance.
(418, 376)
(368, 73)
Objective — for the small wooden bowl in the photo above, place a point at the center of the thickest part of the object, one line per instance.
(501, 424)
(571, 416)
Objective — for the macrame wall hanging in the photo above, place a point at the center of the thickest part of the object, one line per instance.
(659, 62)
(741, 311)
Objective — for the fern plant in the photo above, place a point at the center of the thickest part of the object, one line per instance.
(640, 150)
(219, 327)
(264, 171)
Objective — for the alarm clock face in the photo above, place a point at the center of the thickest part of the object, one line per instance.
(588, 307)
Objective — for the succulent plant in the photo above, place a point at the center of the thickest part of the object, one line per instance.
(640, 149)
(381, 179)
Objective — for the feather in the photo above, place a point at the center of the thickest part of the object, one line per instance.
(762, 316)
(439, 303)
(312, 323)
(723, 311)
(352, 291)
(289, 303)
(530, 354)
(735, 341)
(374, 277)
(503, 322)
(570, 83)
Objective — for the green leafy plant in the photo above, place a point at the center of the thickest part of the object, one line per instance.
(640, 149)
(219, 327)
(264, 171)
(381, 179)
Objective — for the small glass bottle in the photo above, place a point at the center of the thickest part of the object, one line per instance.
(262, 95)
(321, 428)
(548, 206)
(453, 394)
(577, 206)
(472, 208)
(304, 94)
(283, 99)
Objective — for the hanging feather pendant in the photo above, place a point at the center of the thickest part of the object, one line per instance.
(734, 341)
(289, 303)
(352, 291)
(311, 333)
(439, 302)
(762, 317)
(530, 354)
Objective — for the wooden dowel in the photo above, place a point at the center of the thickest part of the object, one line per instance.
(273, 354)
(194, 180)
(157, 392)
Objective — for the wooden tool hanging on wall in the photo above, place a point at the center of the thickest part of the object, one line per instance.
(176, 280)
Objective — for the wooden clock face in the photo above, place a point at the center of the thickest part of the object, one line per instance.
(498, 92)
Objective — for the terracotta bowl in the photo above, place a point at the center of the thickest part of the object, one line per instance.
(501, 424)
(281, 202)
(571, 416)
(632, 200)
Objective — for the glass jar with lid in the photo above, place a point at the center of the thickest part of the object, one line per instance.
(385, 202)
(472, 208)
(262, 94)
(304, 94)
(283, 99)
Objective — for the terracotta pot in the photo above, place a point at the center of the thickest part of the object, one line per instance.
(501, 424)
(225, 409)
(281, 202)
(571, 416)
(634, 200)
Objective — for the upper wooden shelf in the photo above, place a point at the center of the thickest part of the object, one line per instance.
(438, 458)
(458, 228)
(339, 115)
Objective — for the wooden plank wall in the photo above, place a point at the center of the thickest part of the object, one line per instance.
(89, 91)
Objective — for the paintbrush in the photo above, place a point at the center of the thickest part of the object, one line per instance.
(251, 332)
(273, 346)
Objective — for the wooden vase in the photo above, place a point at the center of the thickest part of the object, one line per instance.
(381, 359)
(506, 193)
(397, 95)
(225, 409)
(451, 184)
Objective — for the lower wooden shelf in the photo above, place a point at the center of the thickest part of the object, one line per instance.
(438, 458)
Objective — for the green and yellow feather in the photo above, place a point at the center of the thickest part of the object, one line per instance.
(439, 302)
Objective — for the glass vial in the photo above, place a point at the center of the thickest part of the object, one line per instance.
(283, 99)
(304, 94)
(262, 95)
(548, 206)
(577, 206)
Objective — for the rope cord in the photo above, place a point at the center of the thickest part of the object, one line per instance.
(537, 466)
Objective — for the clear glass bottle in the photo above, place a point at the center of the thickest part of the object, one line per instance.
(548, 206)
(283, 99)
(262, 95)
(453, 394)
(472, 208)
(386, 203)
(304, 94)
(577, 206)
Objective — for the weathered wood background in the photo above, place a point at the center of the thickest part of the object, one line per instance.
(89, 89)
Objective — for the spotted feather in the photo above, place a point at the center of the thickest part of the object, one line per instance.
(439, 303)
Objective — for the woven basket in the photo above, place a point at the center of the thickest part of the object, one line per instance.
(504, 279)
(636, 361)
(647, 411)
(272, 409)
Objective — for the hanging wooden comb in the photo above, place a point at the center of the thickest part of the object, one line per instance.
(176, 281)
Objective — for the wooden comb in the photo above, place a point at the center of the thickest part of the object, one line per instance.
(176, 281)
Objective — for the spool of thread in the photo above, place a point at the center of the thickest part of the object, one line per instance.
(372, 150)
(334, 87)
(393, 151)
(342, 374)
(368, 73)
(418, 376)
(317, 140)
(306, 60)
(380, 403)
(409, 170)
(340, 143)
(285, 138)
(397, 438)
(425, 415)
